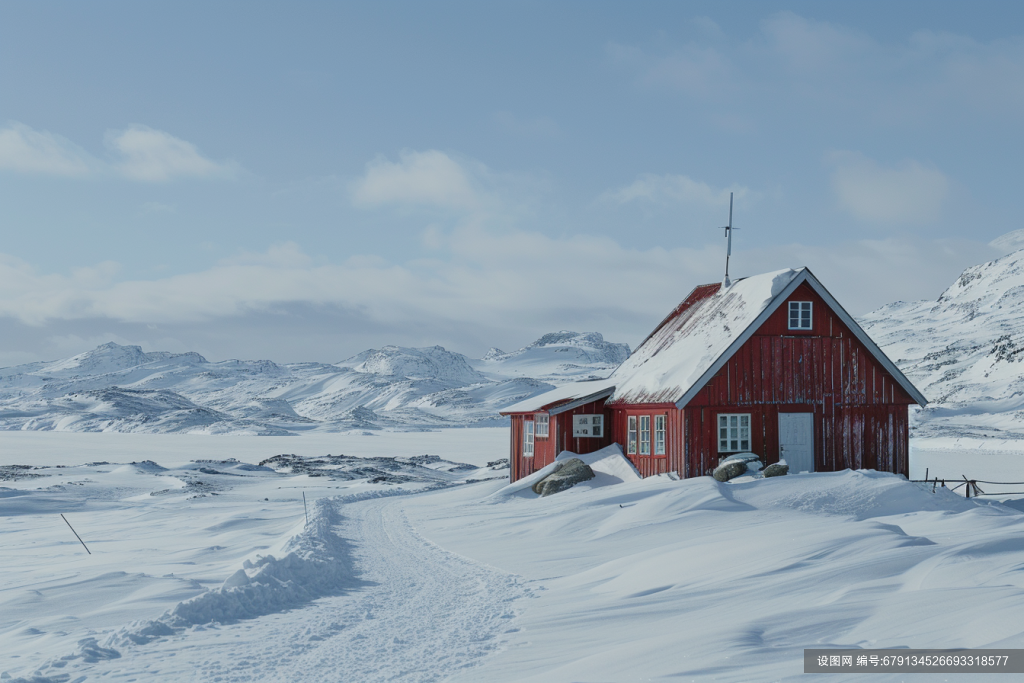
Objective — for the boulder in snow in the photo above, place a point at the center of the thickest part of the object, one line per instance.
(737, 464)
(572, 472)
(730, 469)
(776, 469)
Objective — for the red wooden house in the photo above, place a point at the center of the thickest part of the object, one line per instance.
(770, 364)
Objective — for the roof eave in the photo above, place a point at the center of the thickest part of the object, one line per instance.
(573, 403)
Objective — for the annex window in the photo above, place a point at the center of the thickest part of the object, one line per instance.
(799, 315)
(542, 425)
(659, 435)
(733, 433)
(631, 435)
(645, 435)
(527, 438)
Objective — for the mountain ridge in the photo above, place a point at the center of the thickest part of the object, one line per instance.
(117, 387)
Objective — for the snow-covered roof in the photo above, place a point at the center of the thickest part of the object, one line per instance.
(695, 340)
(702, 333)
(563, 398)
(696, 334)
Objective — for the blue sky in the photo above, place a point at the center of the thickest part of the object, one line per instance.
(300, 181)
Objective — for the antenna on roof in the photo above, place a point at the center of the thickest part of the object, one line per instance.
(728, 239)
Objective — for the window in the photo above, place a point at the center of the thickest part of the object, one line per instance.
(659, 435)
(645, 435)
(631, 435)
(733, 433)
(595, 425)
(542, 425)
(527, 438)
(799, 315)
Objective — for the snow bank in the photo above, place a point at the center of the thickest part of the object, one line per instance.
(316, 563)
(609, 464)
(609, 460)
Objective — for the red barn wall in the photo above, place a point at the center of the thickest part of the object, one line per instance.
(559, 439)
(648, 465)
(860, 412)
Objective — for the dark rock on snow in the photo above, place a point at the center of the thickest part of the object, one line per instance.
(571, 472)
(776, 470)
(729, 470)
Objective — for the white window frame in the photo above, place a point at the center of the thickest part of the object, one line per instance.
(645, 435)
(736, 438)
(631, 435)
(527, 438)
(542, 429)
(659, 434)
(796, 311)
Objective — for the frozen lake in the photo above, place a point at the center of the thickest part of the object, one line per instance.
(474, 446)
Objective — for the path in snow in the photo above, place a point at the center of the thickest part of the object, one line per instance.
(422, 614)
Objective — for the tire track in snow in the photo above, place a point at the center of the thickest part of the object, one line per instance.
(430, 614)
(422, 614)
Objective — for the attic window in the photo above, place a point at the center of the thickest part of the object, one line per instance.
(733, 433)
(542, 425)
(799, 315)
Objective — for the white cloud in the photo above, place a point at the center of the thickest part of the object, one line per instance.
(155, 156)
(910, 193)
(495, 287)
(24, 150)
(429, 178)
(671, 188)
(139, 153)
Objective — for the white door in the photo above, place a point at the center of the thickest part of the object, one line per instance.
(796, 441)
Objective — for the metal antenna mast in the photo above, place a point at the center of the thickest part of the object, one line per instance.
(728, 238)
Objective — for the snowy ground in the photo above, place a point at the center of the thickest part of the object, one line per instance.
(422, 577)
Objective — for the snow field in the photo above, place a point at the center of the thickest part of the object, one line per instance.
(695, 580)
(617, 579)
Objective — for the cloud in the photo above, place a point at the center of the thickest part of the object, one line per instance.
(494, 288)
(676, 189)
(429, 178)
(24, 150)
(809, 45)
(155, 156)
(138, 153)
(910, 193)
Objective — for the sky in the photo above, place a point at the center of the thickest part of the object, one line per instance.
(301, 181)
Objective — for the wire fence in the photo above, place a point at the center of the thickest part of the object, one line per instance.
(971, 485)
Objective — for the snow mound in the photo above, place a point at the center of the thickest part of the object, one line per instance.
(610, 460)
(316, 563)
(609, 464)
(861, 494)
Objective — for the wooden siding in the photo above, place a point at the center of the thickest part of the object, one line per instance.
(559, 439)
(648, 465)
(854, 437)
(860, 411)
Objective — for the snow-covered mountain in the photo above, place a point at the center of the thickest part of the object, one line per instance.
(558, 356)
(964, 351)
(123, 389)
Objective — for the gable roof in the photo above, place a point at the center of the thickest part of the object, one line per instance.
(693, 343)
(563, 398)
